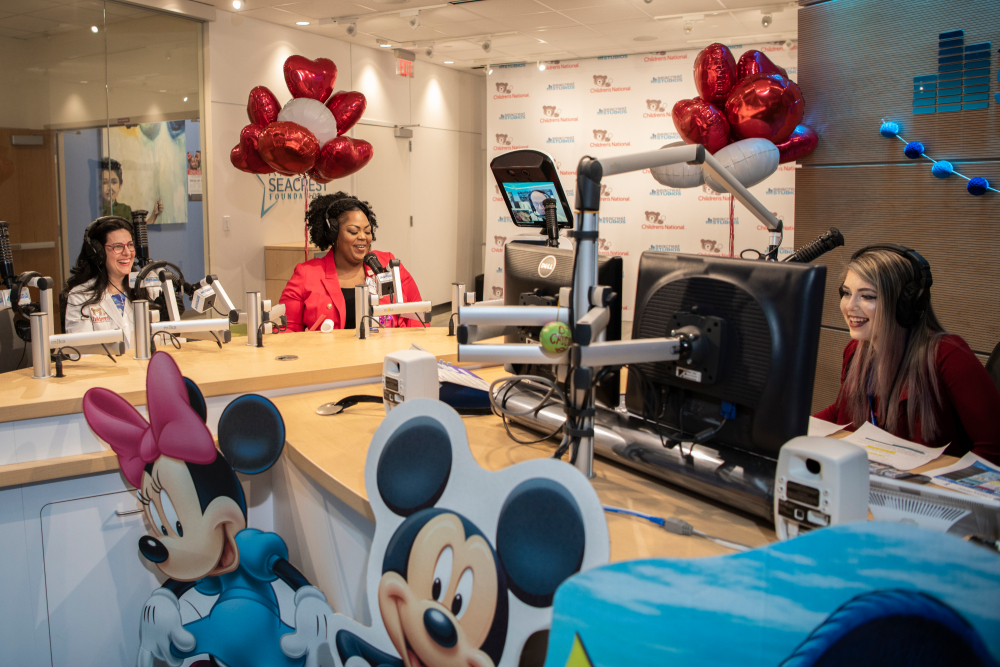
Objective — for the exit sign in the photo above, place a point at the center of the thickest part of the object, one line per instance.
(404, 67)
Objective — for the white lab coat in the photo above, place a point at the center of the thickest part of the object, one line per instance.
(101, 316)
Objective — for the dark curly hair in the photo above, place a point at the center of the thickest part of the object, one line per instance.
(323, 217)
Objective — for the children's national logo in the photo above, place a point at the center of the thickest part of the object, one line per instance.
(710, 246)
(550, 111)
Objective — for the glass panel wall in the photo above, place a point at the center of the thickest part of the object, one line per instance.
(100, 116)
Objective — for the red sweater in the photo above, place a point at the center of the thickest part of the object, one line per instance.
(969, 415)
(313, 294)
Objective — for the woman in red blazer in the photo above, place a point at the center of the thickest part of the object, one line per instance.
(901, 370)
(323, 289)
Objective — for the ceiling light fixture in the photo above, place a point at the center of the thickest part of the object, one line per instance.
(83, 82)
(414, 21)
(487, 46)
(688, 27)
(93, 28)
(766, 20)
(429, 51)
(541, 67)
(302, 23)
(384, 43)
(787, 45)
(185, 99)
(489, 70)
(352, 29)
(237, 4)
(449, 62)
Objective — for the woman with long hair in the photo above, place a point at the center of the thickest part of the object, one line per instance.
(323, 289)
(902, 371)
(98, 291)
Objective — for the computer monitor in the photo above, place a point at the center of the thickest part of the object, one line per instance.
(526, 178)
(763, 320)
(533, 276)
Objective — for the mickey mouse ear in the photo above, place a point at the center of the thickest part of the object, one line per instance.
(540, 540)
(414, 466)
(251, 434)
(196, 400)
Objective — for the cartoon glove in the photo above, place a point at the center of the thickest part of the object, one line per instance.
(313, 624)
(161, 625)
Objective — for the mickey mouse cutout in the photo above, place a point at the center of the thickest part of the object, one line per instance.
(194, 505)
(465, 562)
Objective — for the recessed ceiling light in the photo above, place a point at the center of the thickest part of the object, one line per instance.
(185, 99)
(93, 28)
(644, 38)
(237, 4)
(302, 23)
(449, 62)
(163, 91)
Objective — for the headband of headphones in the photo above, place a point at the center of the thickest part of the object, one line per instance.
(915, 295)
(340, 206)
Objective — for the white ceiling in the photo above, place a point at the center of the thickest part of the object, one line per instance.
(529, 30)
(519, 30)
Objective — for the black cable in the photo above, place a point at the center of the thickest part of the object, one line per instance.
(23, 350)
(108, 352)
(762, 255)
(174, 340)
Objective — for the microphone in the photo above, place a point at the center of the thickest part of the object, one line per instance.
(827, 241)
(551, 227)
(7, 274)
(371, 261)
(141, 238)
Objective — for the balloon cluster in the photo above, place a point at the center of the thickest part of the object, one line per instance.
(940, 168)
(750, 107)
(306, 136)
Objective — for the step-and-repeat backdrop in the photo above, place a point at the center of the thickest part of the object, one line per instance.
(617, 105)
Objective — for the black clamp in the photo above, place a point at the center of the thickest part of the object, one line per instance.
(583, 236)
(579, 433)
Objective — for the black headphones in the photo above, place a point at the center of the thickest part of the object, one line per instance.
(22, 323)
(92, 248)
(915, 296)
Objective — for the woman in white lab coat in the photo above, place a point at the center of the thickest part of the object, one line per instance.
(98, 298)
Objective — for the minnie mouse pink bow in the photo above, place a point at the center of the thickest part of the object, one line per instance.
(174, 428)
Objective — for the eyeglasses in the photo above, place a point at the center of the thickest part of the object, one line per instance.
(119, 248)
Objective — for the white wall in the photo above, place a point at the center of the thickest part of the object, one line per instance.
(439, 183)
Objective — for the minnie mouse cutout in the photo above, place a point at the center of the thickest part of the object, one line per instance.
(465, 562)
(194, 504)
(306, 136)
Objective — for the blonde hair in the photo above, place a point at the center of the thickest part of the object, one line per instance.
(894, 357)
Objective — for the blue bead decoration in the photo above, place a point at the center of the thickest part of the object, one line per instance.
(913, 150)
(889, 129)
(942, 169)
(978, 186)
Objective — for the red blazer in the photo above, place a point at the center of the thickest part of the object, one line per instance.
(969, 417)
(313, 295)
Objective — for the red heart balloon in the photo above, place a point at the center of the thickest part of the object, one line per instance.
(755, 62)
(245, 155)
(715, 73)
(699, 122)
(765, 106)
(262, 106)
(347, 108)
(288, 147)
(802, 142)
(310, 78)
(341, 157)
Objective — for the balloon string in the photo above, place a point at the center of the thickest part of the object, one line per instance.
(732, 226)
(305, 224)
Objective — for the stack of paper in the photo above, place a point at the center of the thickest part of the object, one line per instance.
(886, 449)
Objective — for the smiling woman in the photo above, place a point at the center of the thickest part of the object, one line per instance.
(323, 289)
(902, 371)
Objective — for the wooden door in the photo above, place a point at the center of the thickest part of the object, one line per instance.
(29, 202)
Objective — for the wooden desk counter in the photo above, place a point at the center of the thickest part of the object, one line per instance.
(236, 368)
(332, 451)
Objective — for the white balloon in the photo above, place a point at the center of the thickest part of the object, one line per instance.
(312, 115)
(681, 175)
(749, 160)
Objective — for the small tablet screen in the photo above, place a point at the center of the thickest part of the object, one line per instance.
(526, 202)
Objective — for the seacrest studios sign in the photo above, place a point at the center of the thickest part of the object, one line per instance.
(284, 190)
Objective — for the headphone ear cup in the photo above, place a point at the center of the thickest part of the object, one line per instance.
(23, 330)
(907, 309)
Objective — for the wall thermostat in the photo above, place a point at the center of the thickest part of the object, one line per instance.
(409, 374)
(820, 482)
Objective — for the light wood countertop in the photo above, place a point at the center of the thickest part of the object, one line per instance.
(236, 368)
(332, 451)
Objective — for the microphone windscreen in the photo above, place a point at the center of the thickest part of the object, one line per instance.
(371, 261)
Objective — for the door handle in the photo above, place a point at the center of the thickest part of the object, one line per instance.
(127, 512)
(41, 245)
